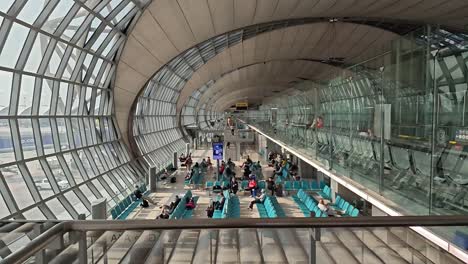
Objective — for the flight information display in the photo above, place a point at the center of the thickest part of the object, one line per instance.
(218, 151)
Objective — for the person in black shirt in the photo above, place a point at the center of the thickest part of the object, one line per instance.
(234, 185)
(164, 215)
(174, 204)
(138, 194)
(271, 185)
(210, 211)
(220, 204)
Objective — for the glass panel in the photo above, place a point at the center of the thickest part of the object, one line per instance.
(17, 186)
(76, 203)
(40, 179)
(6, 143)
(13, 46)
(58, 210)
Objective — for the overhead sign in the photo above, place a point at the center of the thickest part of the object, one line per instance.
(242, 106)
(218, 151)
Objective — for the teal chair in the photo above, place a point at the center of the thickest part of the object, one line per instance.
(244, 184)
(305, 185)
(318, 212)
(296, 185)
(354, 213)
(114, 213)
(345, 207)
(262, 184)
(209, 184)
(314, 186)
(288, 186)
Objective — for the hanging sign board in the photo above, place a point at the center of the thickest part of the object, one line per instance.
(218, 151)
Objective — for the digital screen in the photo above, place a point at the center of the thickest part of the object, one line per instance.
(218, 151)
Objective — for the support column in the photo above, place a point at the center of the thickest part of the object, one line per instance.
(238, 157)
(152, 178)
(334, 187)
(40, 256)
(99, 209)
(187, 148)
(305, 170)
(175, 161)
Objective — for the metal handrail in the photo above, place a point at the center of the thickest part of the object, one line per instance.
(42, 240)
(34, 245)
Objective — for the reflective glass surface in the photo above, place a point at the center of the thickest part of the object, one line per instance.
(380, 124)
(57, 131)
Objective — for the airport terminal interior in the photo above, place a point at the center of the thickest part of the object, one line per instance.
(234, 131)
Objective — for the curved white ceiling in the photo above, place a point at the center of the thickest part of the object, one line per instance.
(353, 42)
(168, 27)
(271, 76)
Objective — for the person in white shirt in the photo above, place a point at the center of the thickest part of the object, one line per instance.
(260, 199)
(322, 206)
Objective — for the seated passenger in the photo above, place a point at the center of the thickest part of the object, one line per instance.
(189, 175)
(217, 188)
(164, 215)
(234, 185)
(190, 204)
(144, 203)
(210, 211)
(218, 205)
(252, 186)
(322, 206)
(260, 199)
(203, 164)
(175, 202)
(278, 169)
(182, 157)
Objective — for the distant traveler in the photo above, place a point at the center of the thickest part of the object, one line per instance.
(164, 215)
(234, 185)
(220, 204)
(210, 211)
(322, 206)
(144, 203)
(138, 194)
(260, 199)
(188, 162)
(252, 186)
(190, 205)
(175, 202)
(271, 185)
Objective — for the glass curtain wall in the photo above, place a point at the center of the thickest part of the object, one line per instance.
(395, 124)
(60, 148)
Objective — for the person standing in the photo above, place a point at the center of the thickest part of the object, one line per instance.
(188, 162)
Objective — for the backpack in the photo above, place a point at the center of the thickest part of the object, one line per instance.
(144, 203)
(173, 179)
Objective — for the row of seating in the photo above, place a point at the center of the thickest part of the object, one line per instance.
(123, 209)
(304, 185)
(231, 208)
(196, 178)
(270, 208)
(325, 192)
(343, 205)
(211, 184)
(307, 204)
(180, 212)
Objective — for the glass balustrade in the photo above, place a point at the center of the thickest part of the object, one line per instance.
(369, 240)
